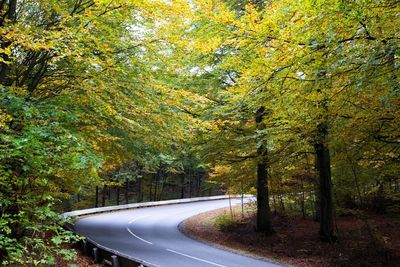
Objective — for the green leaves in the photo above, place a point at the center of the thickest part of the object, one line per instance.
(37, 162)
(104, 88)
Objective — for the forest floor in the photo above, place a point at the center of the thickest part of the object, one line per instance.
(361, 242)
(81, 261)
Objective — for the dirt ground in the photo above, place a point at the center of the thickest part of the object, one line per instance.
(372, 242)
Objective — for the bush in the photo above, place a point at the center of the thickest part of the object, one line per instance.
(227, 222)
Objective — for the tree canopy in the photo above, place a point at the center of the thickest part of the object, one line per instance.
(96, 92)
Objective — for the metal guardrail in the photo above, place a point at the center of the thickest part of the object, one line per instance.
(78, 213)
(110, 257)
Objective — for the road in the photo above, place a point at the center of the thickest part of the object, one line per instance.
(151, 234)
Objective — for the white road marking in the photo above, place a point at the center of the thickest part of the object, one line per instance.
(148, 242)
(138, 237)
(195, 258)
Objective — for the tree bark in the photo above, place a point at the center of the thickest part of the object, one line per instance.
(117, 195)
(104, 194)
(327, 232)
(126, 191)
(140, 191)
(96, 204)
(190, 182)
(183, 185)
(263, 210)
(156, 179)
(12, 16)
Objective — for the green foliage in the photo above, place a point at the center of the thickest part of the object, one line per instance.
(42, 160)
(104, 92)
(227, 222)
(308, 63)
(80, 98)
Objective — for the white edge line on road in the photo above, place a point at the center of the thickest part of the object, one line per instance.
(148, 242)
(195, 258)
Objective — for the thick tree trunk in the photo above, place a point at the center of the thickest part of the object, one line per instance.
(12, 10)
(327, 231)
(263, 210)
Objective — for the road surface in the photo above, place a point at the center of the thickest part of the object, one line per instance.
(152, 235)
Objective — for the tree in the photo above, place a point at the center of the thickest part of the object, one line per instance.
(309, 68)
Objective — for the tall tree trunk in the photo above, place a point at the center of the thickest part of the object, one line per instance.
(327, 232)
(12, 16)
(230, 205)
(317, 194)
(183, 184)
(140, 191)
(190, 182)
(282, 209)
(96, 203)
(302, 199)
(199, 178)
(126, 191)
(263, 210)
(104, 194)
(12, 10)
(151, 187)
(162, 175)
(156, 180)
(117, 195)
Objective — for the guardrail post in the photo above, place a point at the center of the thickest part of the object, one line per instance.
(96, 255)
(114, 261)
(85, 247)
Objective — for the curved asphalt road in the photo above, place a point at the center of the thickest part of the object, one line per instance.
(152, 235)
